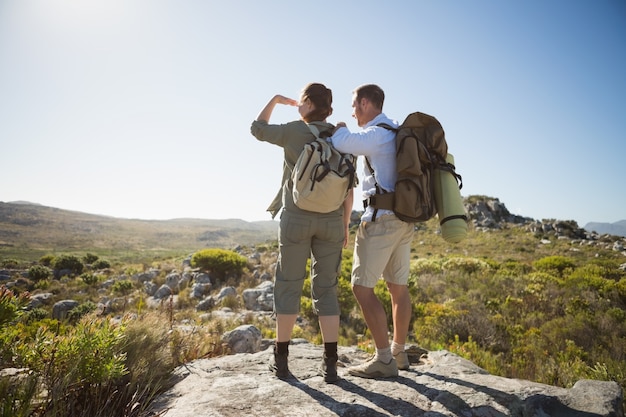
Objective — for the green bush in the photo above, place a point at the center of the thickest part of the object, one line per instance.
(220, 262)
(35, 314)
(11, 305)
(17, 395)
(513, 268)
(9, 263)
(426, 266)
(89, 278)
(75, 364)
(551, 264)
(123, 286)
(47, 260)
(91, 368)
(467, 265)
(90, 258)
(68, 262)
(75, 314)
(101, 264)
(39, 272)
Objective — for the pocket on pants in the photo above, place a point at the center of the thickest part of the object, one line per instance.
(294, 229)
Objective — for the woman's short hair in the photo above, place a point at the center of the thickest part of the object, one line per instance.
(322, 99)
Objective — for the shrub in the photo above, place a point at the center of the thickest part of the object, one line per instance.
(39, 272)
(426, 266)
(93, 368)
(68, 262)
(470, 350)
(9, 263)
(17, 395)
(230, 301)
(551, 264)
(123, 286)
(219, 261)
(101, 264)
(436, 323)
(33, 315)
(11, 305)
(77, 364)
(47, 260)
(90, 258)
(89, 278)
(467, 265)
(513, 268)
(611, 268)
(75, 314)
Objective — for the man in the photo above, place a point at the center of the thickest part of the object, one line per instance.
(383, 242)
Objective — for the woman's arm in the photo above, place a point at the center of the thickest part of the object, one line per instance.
(266, 113)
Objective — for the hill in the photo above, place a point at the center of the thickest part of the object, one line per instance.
(617, 228)
(31, 230)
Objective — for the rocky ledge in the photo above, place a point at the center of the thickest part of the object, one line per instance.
(438, 384)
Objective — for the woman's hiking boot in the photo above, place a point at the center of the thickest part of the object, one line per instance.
(278, 365)
(329, 369)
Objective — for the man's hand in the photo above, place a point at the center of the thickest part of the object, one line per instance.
(338, 126)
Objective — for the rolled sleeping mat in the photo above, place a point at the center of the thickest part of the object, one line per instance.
(450, 209)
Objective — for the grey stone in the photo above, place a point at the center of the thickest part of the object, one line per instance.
(61, 308)
(243, 339)
(260, 298)
(443, 385)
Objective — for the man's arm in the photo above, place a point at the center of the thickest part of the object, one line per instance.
(364, 142)
(347, 212)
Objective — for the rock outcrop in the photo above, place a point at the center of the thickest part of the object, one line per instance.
(442, 384)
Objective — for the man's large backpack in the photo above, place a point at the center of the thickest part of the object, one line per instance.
(421, 160)
(322, 176)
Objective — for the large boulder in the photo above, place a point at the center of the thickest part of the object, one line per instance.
(442, 385)
(62, 308)
(243, 339)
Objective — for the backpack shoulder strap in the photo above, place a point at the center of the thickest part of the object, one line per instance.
(367, 161)
(314, 130)
(388, 127)
(322, 144)
(383, 196)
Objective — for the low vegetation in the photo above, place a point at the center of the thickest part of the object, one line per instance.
(520, 304)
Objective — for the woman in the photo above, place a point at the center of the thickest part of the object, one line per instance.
(304, 234)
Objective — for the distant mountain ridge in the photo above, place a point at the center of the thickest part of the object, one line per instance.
(616, 229)
(32, 226)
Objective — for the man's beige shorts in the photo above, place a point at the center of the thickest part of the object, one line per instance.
(382, 249)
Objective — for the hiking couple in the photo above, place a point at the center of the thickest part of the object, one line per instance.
(382, 244)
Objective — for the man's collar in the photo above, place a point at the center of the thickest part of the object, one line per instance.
(375, 120)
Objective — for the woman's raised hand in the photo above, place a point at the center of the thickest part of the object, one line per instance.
(285, 100)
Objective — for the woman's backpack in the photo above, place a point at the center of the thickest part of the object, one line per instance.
(322, 176)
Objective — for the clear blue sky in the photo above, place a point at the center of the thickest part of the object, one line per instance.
(142, 109)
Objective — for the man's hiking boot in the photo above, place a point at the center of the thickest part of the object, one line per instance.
(402, 359)
(278, 365)
(329, 369)
(375, 369)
